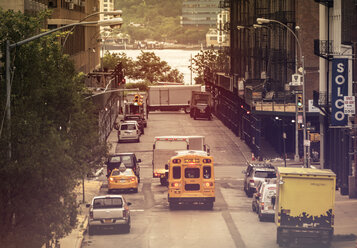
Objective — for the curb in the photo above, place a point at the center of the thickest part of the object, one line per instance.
(82, 232)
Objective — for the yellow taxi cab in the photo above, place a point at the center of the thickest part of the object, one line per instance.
(121, 179)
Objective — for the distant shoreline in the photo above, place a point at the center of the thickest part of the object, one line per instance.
(173, 46)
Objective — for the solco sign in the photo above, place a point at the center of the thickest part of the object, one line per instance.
(339, 90)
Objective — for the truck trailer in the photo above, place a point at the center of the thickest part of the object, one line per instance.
(171, 97)
(304, 205)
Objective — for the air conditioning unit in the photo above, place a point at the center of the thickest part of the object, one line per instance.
(71, 6)
(68, 1)
(83, 3)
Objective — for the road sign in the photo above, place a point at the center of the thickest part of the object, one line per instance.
(296, 79)
(349, 105)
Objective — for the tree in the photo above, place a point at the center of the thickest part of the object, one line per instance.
(207, 63)
(54, 137)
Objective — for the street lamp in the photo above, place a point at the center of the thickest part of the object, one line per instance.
(265, 21)
(110, 22)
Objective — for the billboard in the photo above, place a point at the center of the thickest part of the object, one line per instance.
(339, 91)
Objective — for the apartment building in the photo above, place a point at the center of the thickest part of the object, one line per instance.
(82, 44)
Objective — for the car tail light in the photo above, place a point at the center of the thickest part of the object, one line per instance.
(111, 179)
(119, 132)
(137, 131)
(125, 213)
(132, 179)
(91, 214)
(262, 204)
(251, 181)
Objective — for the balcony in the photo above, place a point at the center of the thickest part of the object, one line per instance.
(323, 48)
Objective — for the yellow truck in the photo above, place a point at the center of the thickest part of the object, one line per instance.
(304, 205)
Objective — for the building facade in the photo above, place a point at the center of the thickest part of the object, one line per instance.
(257, 98)
(200, 12)
(82, 45)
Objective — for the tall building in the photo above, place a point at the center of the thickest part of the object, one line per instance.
(200, 12)
(82, 45)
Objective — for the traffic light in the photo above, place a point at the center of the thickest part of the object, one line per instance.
(136, 99)
(299, 103)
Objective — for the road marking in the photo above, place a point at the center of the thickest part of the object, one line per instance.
(137, 210)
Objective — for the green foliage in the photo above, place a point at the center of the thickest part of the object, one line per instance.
(147, 67)
(54, 140)
(208, 62)
(160, 20)
(142, 86)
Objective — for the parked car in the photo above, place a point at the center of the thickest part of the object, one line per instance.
(128, 132)
(265, 208)
(258, 193)
(141, 127)
(138, 118)
(129, 159)
(122, 179)
(255, 173)
(108, 211)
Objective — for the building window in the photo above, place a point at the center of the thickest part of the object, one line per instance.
(105, 5)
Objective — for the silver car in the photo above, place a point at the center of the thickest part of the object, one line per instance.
(128, 132)
(255, 173)
(108, 211)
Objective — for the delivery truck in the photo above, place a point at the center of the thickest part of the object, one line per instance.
(200, 105)
(304, 205)
(165, 147)
(171, 97)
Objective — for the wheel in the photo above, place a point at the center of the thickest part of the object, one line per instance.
(253, 207)
(135, 190)
(187, 110)
(172, 205)
(163, 181)
(209, 205)
(138, 140)
(109, 191)
(138, 179)
(90, 231)
(260, 216)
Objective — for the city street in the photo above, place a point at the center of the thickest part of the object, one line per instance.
(231, 223)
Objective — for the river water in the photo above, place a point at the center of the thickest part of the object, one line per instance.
(176, 58)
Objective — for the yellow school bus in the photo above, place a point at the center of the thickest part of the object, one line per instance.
(191, 179)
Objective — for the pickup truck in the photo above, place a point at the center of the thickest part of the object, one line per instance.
(108, 211)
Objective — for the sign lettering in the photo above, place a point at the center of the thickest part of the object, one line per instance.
(339, 91)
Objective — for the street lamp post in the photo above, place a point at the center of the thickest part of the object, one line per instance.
(265, 21)
(110, 22)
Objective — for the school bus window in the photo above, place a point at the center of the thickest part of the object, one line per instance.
(192, 173)
(176, 172)
(206, 172)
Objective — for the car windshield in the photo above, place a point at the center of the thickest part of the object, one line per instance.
(108, 203)
(125, 159)
(265, 174)
(127, 172)
(127, 127)
(132, 118)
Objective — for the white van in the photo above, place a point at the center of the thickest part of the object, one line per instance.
(265, 207)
